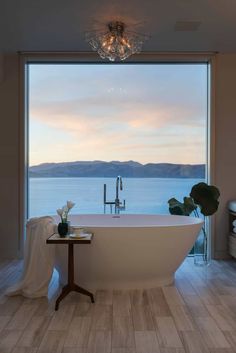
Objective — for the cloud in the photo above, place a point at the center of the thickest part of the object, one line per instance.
(100, 109)
(85, 115)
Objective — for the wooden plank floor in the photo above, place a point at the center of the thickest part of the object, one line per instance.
(195, 315)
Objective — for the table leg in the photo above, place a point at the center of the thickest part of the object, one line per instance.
(71, 286)
(84, 291)
(65, 290)
(70, 264)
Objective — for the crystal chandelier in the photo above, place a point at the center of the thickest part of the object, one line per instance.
(116, 43)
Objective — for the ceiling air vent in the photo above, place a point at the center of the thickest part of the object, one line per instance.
(187, 26)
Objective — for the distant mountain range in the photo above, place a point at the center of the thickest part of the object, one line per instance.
(129, 169)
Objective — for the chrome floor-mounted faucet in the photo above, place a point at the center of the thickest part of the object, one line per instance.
(118, 205)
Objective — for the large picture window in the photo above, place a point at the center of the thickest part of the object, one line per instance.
(90, 123)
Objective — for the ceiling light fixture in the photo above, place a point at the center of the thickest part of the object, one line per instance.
(116, 43)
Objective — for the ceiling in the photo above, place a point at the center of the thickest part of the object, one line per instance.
(59, 25)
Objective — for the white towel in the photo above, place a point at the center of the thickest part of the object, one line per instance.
(234, 223)
(234, 230)
(38, 259)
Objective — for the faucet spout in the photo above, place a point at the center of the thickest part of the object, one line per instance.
(121, 183)
(118, 205)
(119, 186)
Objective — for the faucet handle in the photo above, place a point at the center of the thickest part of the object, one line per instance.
(122, 207)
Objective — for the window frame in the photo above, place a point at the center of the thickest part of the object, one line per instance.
(26, 58)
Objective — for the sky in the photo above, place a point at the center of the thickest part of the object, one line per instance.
(149, 113)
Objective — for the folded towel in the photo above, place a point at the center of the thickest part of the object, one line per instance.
(234, 223)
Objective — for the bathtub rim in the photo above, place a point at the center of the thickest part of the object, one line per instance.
(192, 221)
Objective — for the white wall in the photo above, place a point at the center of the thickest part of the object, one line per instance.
(225, 166)
(225, 147)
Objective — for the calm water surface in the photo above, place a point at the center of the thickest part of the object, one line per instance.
(142, 195)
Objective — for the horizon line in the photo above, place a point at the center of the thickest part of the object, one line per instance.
(113, 161)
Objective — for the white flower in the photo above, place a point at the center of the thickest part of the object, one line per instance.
(60, 212)
(63, 212)
(65, 209)
(70, 205)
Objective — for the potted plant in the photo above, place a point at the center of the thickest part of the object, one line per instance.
(202, 197)
(63, 226)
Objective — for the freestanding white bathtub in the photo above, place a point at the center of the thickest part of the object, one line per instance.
(129, 251)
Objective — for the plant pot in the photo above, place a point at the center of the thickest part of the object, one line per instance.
(63, 229)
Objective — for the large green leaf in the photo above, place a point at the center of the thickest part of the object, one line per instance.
(189, 204)
(181, 208)
(206, 197)
(176, 207)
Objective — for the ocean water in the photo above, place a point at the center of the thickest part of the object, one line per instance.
(142, 195)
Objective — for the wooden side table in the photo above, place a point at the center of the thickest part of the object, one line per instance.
(71, 285)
